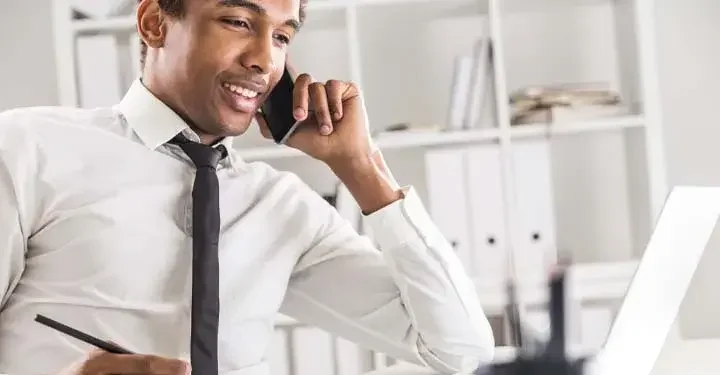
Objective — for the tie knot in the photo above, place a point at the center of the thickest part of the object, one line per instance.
(203, 156)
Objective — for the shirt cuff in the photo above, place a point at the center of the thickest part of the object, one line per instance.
(402, 221)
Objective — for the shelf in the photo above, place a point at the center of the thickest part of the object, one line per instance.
(544, 129)
(545, 5)
(127, 24)
(286, 321)
(387, 141)
(401, 140)
(108, 25)
(448, 8)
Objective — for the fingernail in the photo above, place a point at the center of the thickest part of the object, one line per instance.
(336, 115)
(299, 113)
(325, 130)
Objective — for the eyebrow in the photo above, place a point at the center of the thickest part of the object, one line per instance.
(257, 8)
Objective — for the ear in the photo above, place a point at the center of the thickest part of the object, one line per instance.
(151, 23)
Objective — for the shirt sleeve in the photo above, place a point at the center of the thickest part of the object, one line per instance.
(12, 238)
(410, 299)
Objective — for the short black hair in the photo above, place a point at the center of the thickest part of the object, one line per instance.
(176, 8)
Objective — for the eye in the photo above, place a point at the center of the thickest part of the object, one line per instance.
(282, 39)
(236, 22)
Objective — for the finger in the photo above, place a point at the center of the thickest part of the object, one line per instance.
(319, 104)
(301, 97)
(335, 90)
(140, 364)
(263, 125)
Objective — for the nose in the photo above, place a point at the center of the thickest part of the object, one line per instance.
(257, 57)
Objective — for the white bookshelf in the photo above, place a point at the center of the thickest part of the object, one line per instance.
(608, 174)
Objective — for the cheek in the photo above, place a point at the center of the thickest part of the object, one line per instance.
(279, 57)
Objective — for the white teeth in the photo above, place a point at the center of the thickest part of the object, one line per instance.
(240, 91)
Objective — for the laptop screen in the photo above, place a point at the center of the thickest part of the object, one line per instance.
(666, 269)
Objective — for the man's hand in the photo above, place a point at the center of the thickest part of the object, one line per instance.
(334, 129)
(334, 123)
(103, 363)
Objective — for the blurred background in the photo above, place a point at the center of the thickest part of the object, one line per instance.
(535, 131)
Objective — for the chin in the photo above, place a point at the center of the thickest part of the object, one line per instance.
(232, 121)
(232, 126)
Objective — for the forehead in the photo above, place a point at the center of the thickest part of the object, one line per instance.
(274, 8)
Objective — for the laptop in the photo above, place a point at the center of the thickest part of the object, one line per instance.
(657, 290)
(662, 279)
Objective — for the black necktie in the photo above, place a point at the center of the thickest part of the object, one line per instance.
(205, 267)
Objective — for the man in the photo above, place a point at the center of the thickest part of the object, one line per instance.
(101, 229)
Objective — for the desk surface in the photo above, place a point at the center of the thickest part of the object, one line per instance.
(698, 357)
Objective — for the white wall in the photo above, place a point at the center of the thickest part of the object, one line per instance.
(27, 73)
(690, 75)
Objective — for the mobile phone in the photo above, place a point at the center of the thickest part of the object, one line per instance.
(278, 109)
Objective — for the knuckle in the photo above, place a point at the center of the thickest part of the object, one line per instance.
(304, 78)
(152, 364)
(178, 367)
(333, 83)
(316, 86)
(93, 363)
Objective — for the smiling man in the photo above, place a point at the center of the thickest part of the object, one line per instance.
(139, 224)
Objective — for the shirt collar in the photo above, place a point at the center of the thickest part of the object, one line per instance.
(154, 122)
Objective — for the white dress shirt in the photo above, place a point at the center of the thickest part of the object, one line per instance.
(95, 229)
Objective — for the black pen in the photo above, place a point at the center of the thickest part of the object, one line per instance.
(82, 336)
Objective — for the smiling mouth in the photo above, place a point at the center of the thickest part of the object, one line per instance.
(247, 93)
(241, 99)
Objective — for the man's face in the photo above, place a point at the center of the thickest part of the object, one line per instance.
(220, 61)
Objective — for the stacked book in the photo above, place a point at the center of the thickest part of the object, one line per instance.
(559, 104)
(472, 89)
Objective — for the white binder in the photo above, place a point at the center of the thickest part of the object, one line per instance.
(459, 88)
(487, 210)
(595, 326)
(535, 245)
(479, 87)
(278, 354)
(313, 352)
(348, 358)
(448, 200)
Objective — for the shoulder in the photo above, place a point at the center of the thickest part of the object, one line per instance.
(28, 115)
(29, 120)
(31, 135)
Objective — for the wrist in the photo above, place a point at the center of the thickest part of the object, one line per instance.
(371, 189)
(345, 167)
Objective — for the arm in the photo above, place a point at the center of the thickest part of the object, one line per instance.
(411, 299)
(12, 237)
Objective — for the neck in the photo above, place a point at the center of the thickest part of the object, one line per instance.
(157, 89)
